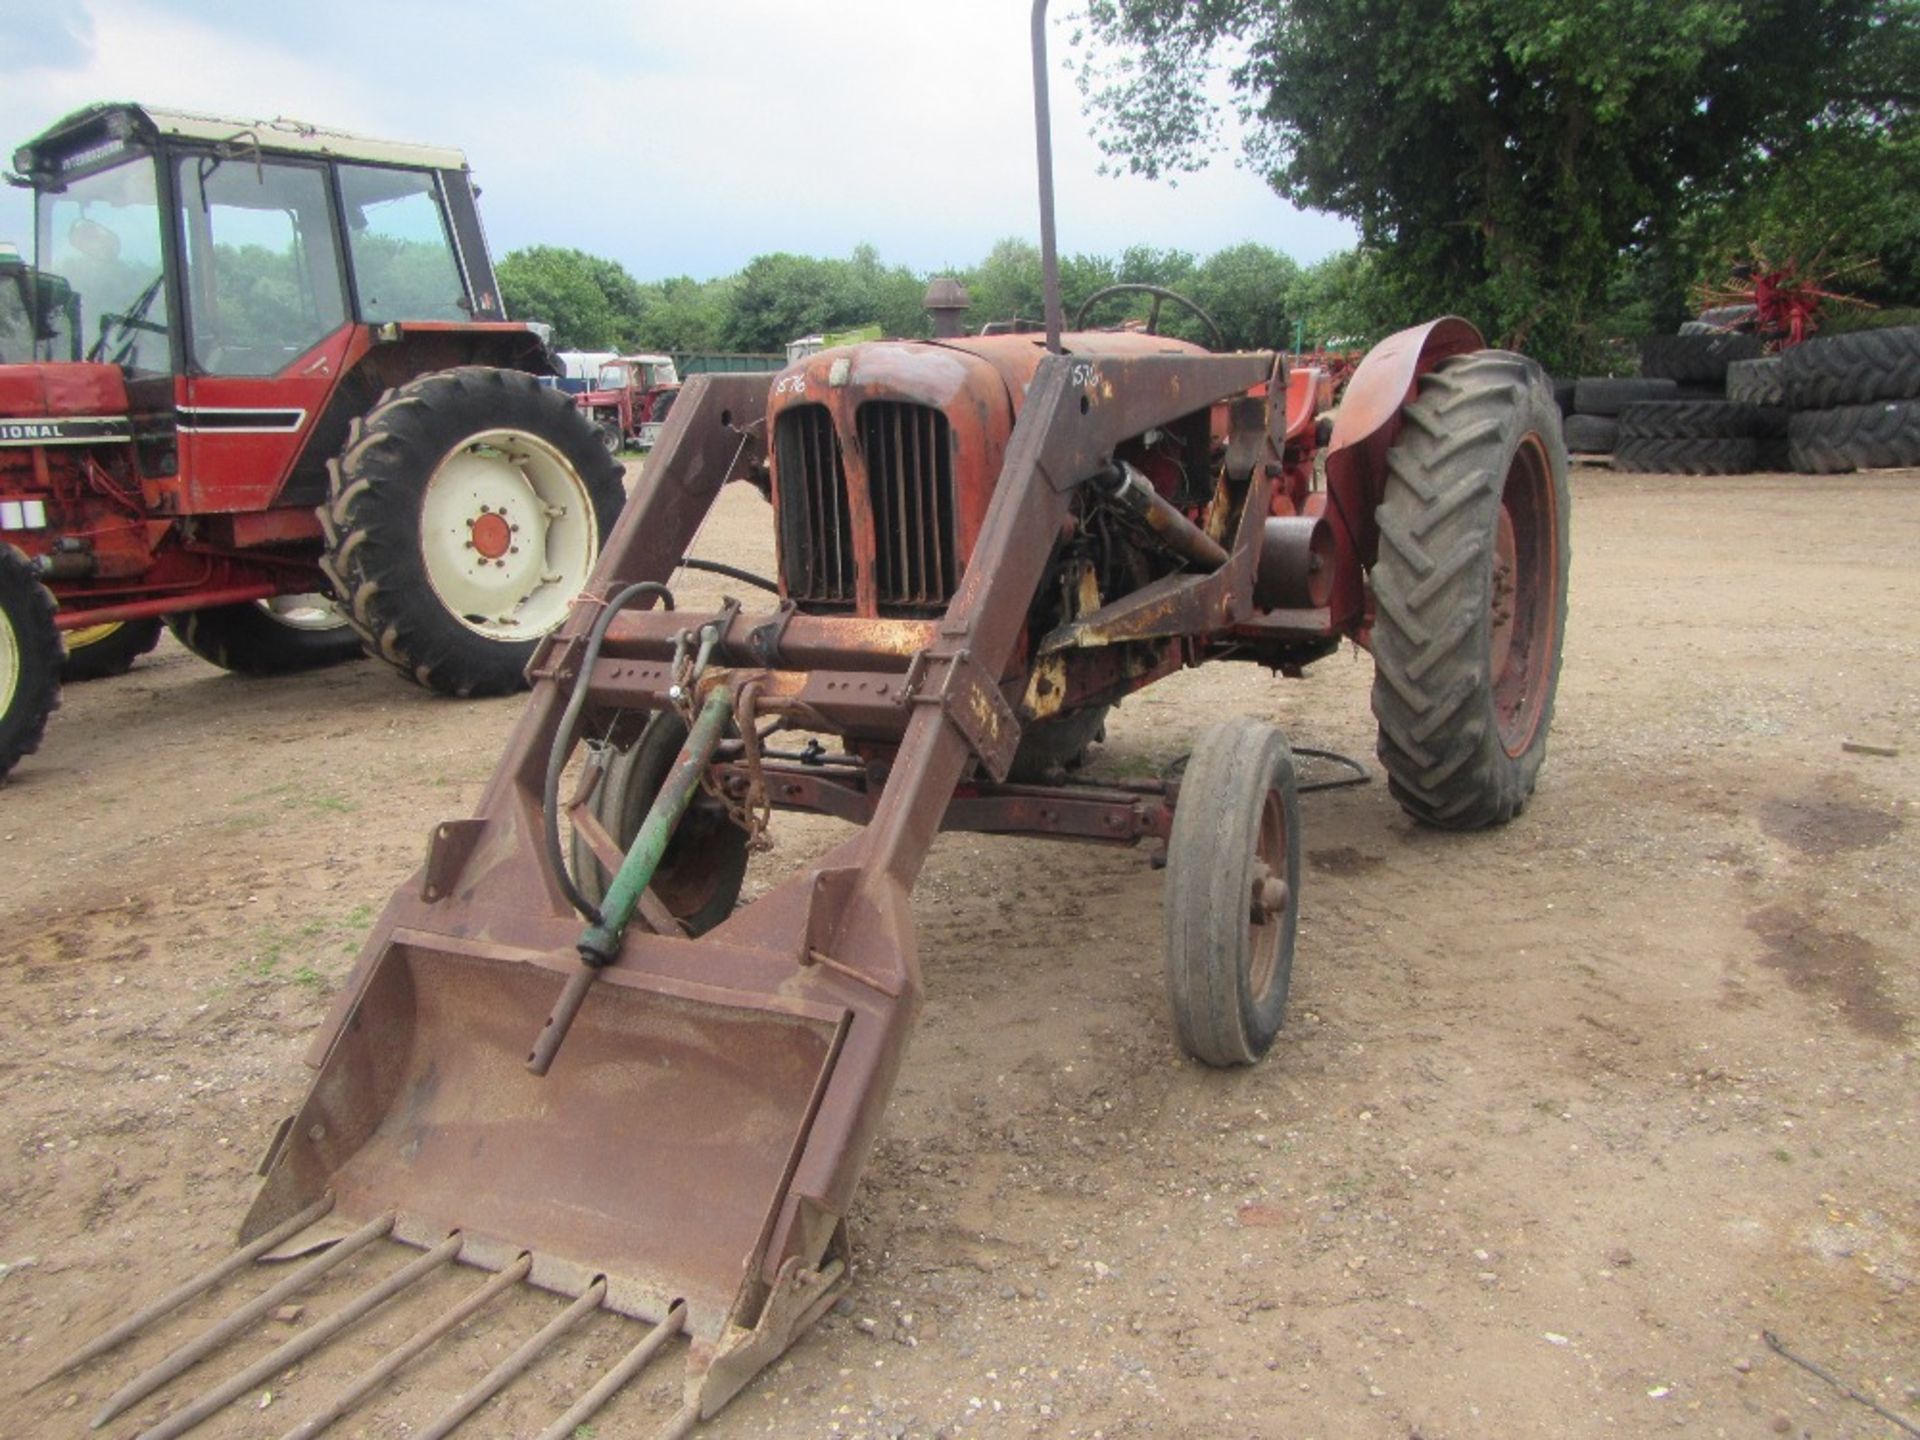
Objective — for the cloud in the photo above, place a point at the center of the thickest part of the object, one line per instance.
(681, 139)
(50, 35)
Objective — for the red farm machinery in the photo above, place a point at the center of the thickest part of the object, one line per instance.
(630, 400)
(570, 1057)
(270, 398)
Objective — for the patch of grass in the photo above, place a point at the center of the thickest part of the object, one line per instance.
(309, 947)
(1785, 1157)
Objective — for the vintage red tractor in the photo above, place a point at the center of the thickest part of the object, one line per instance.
(274, 401)
(583, 1063)
(630, 399)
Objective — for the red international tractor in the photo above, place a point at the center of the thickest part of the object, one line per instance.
(584, 1064)
(273, 401)
(630, 399)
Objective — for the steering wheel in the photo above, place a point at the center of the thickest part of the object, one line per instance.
(1159, 294)
(133, 319)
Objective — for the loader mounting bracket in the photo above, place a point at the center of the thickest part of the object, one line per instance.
(971, 699)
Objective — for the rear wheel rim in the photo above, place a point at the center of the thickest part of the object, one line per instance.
(1266, 928)
(508, 534)
(1522, 605)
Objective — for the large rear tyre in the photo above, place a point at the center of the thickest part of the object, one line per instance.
(281, 636)
(29, 659)
(100, 651)
(705, 863)
(1470, 590)
(1232, 896)
(467, 511)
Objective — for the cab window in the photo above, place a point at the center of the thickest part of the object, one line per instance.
(403, 261)
(263, 276)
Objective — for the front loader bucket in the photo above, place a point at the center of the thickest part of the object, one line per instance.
(652, 1153)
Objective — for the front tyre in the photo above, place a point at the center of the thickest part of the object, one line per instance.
(99, 651)
(1232, 901)
(29, 659)
(1470, 591)
(467, 511)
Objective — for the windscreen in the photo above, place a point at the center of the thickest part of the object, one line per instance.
(100, 234)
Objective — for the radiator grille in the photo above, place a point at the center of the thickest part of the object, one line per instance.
(910, 479)
(816, 530)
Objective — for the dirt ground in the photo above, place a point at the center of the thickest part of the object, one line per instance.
(1563, 1119)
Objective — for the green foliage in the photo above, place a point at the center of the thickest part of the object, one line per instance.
(567, 289)
(1250, 292)
(1501, 156)
(1254, 292)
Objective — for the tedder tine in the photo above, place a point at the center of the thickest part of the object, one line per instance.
(303, 1344)
(182, 1293)
(610, 1384)
(216, 1335)
(374, 1378)
(511, 1368)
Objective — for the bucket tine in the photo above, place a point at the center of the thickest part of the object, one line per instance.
(510, 1369)
(182, 1293)
(216, 1335)
(305, 1343)
(374, 1378)
(609, 1385)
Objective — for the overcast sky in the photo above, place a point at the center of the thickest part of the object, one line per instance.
(679, 138)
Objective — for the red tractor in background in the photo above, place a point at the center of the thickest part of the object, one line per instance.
(273, 402)
(630, 399)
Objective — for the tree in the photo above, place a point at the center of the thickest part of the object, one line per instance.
(1498, 156)
(592, 303)
(1248, 289)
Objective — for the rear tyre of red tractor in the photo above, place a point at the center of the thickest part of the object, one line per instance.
(467, 511)
(29, 659)
(99, 651)
(705, 863)
(1470, 591)
(281, 636)
(1232, 895)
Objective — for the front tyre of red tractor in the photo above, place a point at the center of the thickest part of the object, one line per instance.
(99, 651)
(29, 659)
(1232, 901)
(1470, 591)
(281, 636)
(467, 511)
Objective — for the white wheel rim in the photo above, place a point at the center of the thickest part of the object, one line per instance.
(508, 534)
(303, 612)
(9, 663)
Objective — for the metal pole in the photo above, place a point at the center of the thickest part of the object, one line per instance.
(1043, 138)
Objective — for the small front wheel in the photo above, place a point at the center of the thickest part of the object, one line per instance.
(29, 659)
(705, 863)
(1233, 893)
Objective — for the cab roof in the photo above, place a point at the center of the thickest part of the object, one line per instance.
(120, 121)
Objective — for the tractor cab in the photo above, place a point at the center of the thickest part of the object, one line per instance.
(199, 246)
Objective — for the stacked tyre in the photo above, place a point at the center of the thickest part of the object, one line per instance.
(1593, 425)
(1700, 428)
(1855, 400)
(1699, 437)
